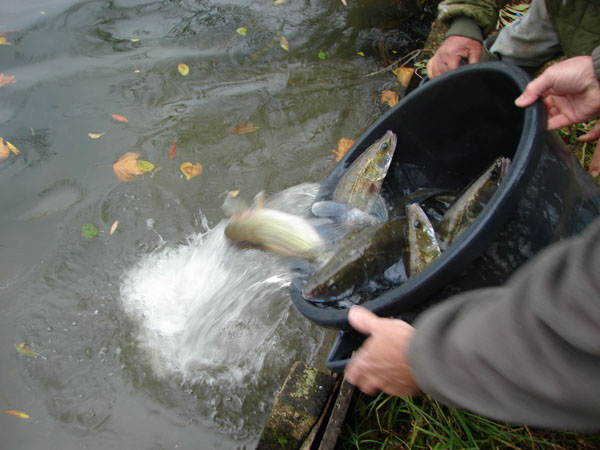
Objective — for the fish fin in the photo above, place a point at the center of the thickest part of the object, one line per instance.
(328, 208)
(233, 204)
(259, 200)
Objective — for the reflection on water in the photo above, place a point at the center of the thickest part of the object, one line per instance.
(144, 339)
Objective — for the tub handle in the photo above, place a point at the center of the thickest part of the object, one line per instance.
(346, 342)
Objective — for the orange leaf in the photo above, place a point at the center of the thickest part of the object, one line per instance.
(4, 149)
(3, 41)
(404, 74)
(390, 97)
(19, 414)
(127, 168)
(6, 79)
(114, 226)
(244, 128)
(120, 118)
(172, 151)
(343, 146)
(191, 170)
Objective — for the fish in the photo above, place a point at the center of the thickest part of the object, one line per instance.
(359, 259)
(422, 243)
(283, 234)
(470, 202)
(360, 185)
(348, 219)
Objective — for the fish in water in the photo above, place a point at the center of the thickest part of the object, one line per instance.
(470, 202)
(360, 258)
(422, 243)
(360, 185)
(348, 219)
(281, 233)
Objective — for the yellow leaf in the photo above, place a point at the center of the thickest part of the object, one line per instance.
(284, 43)
(183, 69)
(6, 79)
(126, 168)
(4, 149)
(241, 31)
(404, 74)
(19, 414)
(25, 349)
(145, 166)
(134, 40)
(191, 170)
(343, 146)
(13, 149)
(3, 41)
(360, 53)
(114, 227)
(390, 97)
(233, 194)
(244, 128)
(120, 118)
(95, 135)
(278, 2)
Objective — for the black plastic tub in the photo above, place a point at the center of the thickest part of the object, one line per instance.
(449, 130)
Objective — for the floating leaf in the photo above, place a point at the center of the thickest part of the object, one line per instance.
(19, 414)
(191, 170)
(120, 118)
(233, 194)
(244, 128)
(6, 79)
(241, 31)
(360, 53)
(43, 12)
(278, 2)
(343, 146)
(3, 41)
(95, 135)
(89, 231)
(183, 69)
(145, 166)
(13, 149)
(172, 151)
(284, 43)
(114, 227)
(126, 168)
(390, 97)
(25, 349)
(4, 150)
(322, 55)
(404, 74)
(134, 40)
(344, 2)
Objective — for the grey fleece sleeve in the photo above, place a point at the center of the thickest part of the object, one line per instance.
(527, 352)
(596, 61)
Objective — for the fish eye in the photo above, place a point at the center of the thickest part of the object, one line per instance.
(417, 224)
(384, 146)
(495, 174)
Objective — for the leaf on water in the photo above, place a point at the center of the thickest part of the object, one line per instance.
(13, 149)
(6, 79)
(19, 414)
(172, 150)
(114, 227)
(4, 150)
(278, 2)
(134, 40)
(183, 69)
(120, 118)
(233, 194)
(322, 55)
(25, 349)
(191, 170)
(390, 97)
(284, 43)
(95, 135)
(145, 166)
(89, 231)
(343, 146)
(345, 3)
(360, 53)
(3, 41)
(244, 128)
(126, 168)
(241, 31)
(404, 74)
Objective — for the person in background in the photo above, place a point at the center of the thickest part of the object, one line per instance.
(526, 352)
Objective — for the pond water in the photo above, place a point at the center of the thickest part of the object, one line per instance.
(163, 335)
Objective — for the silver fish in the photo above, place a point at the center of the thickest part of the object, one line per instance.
(423, 246)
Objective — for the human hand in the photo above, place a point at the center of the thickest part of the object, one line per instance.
(570, 91)
(381, 363)
(451, 52)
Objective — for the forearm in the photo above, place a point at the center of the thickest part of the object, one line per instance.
(482, 13)
(527, 352)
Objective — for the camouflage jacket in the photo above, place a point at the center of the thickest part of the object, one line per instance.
(577, 22)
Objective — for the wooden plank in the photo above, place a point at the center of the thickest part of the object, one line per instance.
(338, 415)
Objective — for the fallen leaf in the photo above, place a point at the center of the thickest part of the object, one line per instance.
(114, 227)
(13, 149)
(322, 55)
(343, 146)
(43, 12)
(191, 170)
(360, 53)
(134, 40)
(19, 414)
(233, 194)
(278, 2)
(126, 168)
(241, 31)
(4, 149)
(120, 118)
(172, 151)
(244, 128)
(344, 2)
(6, 79)
(404, 74)
(25, 349)
(3, 41)
(89, 231)
(390, 97)
(145, 166)
(183, 69)
(284, 43)
(95, 135)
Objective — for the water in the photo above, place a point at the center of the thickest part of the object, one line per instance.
(162, 335)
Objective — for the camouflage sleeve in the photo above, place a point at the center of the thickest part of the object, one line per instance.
(526, 352)
(483, 12)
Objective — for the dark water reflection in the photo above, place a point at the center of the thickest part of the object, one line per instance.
(75, 64)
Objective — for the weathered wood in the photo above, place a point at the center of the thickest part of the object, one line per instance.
(318, 428)
(338, 415)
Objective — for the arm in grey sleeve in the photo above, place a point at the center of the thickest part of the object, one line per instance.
(526, 352)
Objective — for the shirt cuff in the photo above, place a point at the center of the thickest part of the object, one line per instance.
(596, 61)
(467, 27)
